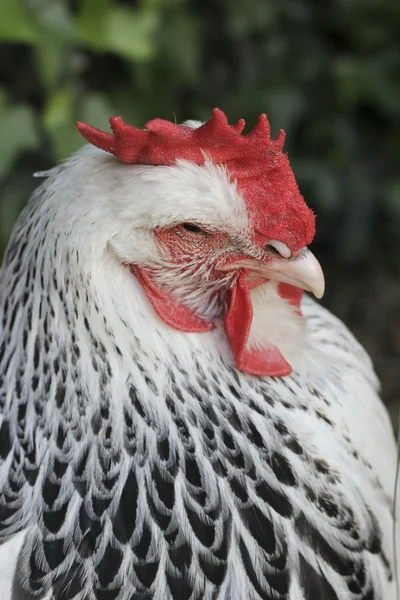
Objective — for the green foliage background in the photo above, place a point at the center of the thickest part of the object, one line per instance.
(328, 72)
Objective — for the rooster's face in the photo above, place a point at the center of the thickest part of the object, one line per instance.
(218, 230)
(199, 255)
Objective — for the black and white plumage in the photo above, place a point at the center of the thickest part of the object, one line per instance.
(136, 461)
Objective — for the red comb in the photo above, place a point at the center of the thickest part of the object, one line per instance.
(162, 142)
(256, 162)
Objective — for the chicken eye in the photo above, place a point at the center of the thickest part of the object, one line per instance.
(192, 228)
(190, 232)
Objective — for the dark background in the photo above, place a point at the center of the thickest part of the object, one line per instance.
(328, 72)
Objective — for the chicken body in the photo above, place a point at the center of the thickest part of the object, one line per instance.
(137, 462)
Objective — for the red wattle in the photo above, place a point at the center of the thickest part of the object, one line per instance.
(168, 309)
(264, 362)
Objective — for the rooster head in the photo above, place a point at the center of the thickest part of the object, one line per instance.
(222, 232)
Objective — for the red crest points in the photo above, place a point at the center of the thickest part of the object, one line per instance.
(162, 142)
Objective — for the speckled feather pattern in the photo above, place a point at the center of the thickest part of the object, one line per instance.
(145, 466)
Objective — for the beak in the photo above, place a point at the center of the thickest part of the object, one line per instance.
(303, 272)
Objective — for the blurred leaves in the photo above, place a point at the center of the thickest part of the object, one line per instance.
(15, 22)
(59, 123)
(326, 72)
(92, 21)
(18, 133)
(129, 33)
(105, 26)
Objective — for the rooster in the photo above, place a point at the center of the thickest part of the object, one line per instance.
(178, 421)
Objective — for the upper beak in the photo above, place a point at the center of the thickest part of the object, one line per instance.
(303, 272)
